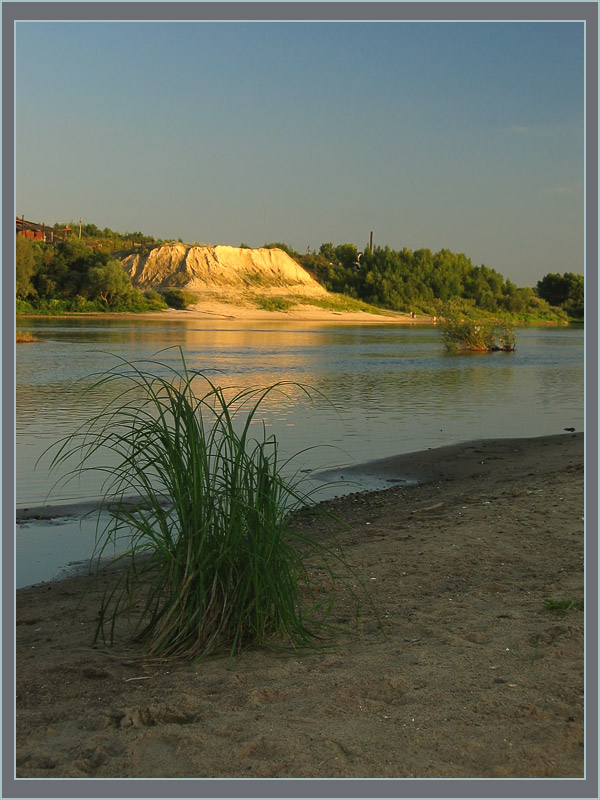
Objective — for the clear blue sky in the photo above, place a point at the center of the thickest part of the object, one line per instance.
(460, 135)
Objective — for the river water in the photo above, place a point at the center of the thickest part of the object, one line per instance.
(384, 390)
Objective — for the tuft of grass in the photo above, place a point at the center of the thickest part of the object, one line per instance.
(562, 606)
(273, 303)
(179, 298)
(212, 561)
(24, 337)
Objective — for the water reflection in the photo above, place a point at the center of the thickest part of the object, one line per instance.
(388, 389)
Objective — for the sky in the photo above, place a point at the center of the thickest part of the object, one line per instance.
(459, 135)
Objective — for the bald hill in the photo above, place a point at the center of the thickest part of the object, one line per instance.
(205, 269)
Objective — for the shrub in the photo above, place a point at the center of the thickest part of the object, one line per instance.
(212, 556)
(23, 307)
(179, 298)
(273, 303)
(476, 334)
(24, 337)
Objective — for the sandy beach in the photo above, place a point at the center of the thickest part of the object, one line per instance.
(238, 310)
(247, 311)
(467, 674)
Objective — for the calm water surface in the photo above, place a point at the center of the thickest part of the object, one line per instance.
(389, 389)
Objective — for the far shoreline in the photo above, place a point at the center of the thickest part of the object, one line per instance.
(222, 312)
(236, 313)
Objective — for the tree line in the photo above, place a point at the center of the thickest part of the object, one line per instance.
(422, 281)
(71, 275)
(107, 238)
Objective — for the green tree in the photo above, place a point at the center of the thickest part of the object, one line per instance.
(109, 282)
(27, 260)
(574, 304)
(565, 291)
(282, 246)
(553, 288)
(327, 250)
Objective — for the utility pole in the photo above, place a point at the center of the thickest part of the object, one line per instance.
(80, 227)
(371, 243)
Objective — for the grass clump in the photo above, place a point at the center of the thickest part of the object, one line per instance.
(212, 561)
(561, 607)
(179, 298)
(273, 303)
(463, 332)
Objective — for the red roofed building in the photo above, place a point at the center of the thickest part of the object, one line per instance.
(41, 232)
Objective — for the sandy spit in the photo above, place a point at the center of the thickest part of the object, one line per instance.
(213, 310)
(468, 675)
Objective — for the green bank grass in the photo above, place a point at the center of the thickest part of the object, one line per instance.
(332, 302)
(213, 562)
(341, 302)
(273, 303)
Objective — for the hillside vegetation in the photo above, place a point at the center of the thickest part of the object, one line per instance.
(72, 277)
(423, 281)
(78, 275)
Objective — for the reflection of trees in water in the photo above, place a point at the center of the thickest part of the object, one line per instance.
(407, 389)
(55, 408)
(364, 372)
(150, 336)
(48, 405)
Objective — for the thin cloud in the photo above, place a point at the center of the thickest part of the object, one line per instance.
(558, 129)
(574, 188)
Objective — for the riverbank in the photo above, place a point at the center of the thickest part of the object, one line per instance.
(225, 311)
(249, 313)
(469, 675)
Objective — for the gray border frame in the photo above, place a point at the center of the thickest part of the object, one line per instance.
(295, 11)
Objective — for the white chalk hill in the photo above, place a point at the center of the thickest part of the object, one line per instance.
(209, 269)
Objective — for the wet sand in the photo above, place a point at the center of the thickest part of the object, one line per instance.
(467, 674)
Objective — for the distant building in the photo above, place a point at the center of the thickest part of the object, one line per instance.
(41, 232)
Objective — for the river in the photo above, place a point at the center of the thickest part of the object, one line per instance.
(380, 390)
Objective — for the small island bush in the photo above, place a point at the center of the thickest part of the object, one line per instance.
(464, 331)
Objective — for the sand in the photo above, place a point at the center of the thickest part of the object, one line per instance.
(468, 674)
(204, 267)
(233, 305)
(238, 309)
